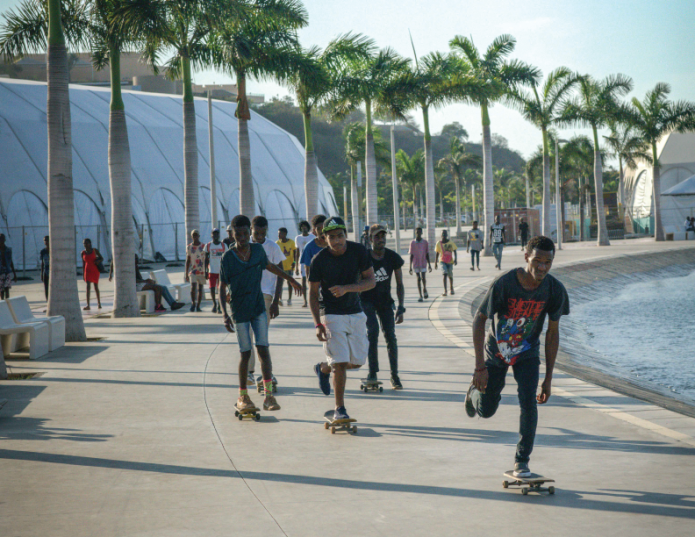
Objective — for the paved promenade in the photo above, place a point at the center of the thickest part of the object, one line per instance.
(134, 434)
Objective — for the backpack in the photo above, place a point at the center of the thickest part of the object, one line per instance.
(447, 256)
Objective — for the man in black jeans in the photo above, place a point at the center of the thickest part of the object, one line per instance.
(517, 303)
(377, 304)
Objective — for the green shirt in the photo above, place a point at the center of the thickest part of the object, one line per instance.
(244, 281)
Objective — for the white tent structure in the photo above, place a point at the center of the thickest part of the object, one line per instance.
(155, 131)
(676, 153)
(680, 201)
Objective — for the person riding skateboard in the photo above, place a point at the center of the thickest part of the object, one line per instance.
(337, 275)
(242, 269)
(378, 304)
(517, 303)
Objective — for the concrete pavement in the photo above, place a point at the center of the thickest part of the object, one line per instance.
(134, 434)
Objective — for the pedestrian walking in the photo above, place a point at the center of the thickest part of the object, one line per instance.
(474, 245)
(288, 248)
(214, 250)
(90, 271)
(45, 256)
(6, 267)
(497, 236)
(315, 246)
(195, 269)
(301, 241)
(523, 232)
(419, 252)
(445, 250)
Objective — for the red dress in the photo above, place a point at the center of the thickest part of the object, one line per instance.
(91, 272)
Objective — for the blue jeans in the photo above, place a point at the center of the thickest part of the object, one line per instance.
(166, 295)
(259, 325)
(385, 316)
(526, 376)
(497, 248)
(475, 256)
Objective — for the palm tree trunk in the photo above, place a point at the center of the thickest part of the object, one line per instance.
(441, 205)
(311, 173)
(125, 302)
(190, 153)
(545, 223)
(457, 182)
(354, 198)
(247, 201)
(63, 298)
(656, 195)
(488, 190)
(598, 185)
(370, 158)
(581, 211)
(430, 199)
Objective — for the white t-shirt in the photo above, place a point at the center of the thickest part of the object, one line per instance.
(216, 252)
(275, 256)
(301, 241)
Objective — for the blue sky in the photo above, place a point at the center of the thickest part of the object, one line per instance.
(646, 40)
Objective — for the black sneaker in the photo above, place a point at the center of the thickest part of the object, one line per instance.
(177, 306)
(396, 382)
(468, 405)
(214, 308)
(197, 308)
(372, 377)
(340, 414)
(193, 307)
(324, 379)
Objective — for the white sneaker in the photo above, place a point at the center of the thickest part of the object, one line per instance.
(289, 301)
(250, 381)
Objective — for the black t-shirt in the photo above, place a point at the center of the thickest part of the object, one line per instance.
(523, 228)
(383, 269)
(346, 269)
(518, 315)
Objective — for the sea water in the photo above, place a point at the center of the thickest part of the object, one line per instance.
(646, 332)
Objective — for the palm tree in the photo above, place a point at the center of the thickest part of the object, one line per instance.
(15, 41)
(458, 160)
(596, 104)
(411, 170)
(312, 84)
(577, 158)
(653, 118)
(496, 77)
(542, 109)
(365, 81)
(442, 183)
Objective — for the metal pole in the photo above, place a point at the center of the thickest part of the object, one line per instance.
(558, 209)
(473, 207)
(176, 240)
(358, 219)
(24, 256)
(528, 197)
(345, 204)
(394, 180)
(213, 194)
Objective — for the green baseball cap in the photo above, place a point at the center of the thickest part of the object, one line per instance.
(334, 222)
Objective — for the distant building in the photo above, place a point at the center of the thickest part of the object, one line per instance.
(225, 92)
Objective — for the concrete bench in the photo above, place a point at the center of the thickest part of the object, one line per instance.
(146, 301)
(22, 314)
(15, 336)
(180, 291)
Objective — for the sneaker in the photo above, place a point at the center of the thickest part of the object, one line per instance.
(192, 307)
(426, 295)
(472, 268)
(177, 306)
(420, 299)
(521, 469)
(197, 308)
(280, 303)
(396, 382)
(159, 307)
(340, 414)
(324, 380)
(372, 377)
(269, 403)
(289, 301)
(244, 402)
(214, 308)
(250, 380)
(305, 305)
(452, 292)
(468, 405)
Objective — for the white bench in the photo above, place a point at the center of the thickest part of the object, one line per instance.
(180, 291)
(22, 314)
(146, 300)
(15, 336)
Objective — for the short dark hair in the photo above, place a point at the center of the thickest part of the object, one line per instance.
(304, 223)
(475, 221)
(241, 220)
(418, 228)
(318, 219)
(46, 238)
(540, 242)
(283, 229)
(259, 221)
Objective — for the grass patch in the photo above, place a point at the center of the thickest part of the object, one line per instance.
(23, 376)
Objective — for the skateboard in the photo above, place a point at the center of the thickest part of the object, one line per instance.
(260, 388)
(251, 413)
(371, 385)
(339, 425)
(533, 483)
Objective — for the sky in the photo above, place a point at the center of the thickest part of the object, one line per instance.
(646, 40)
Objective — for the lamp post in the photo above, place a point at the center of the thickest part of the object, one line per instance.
(558, 201)
(213, 190)
(394, 180)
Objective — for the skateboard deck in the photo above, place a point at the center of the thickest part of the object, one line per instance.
(532, 483)
(339, 425)
(367, 385)
(260, 388)
(250, 413)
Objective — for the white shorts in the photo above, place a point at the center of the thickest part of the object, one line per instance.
(303, 271)
(347, 339)
(419, 270)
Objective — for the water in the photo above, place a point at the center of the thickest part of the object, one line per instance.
(645, 332)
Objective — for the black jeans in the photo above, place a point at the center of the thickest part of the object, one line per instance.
(524, 240)
(526, 376)
(384, 315)
(475, 256)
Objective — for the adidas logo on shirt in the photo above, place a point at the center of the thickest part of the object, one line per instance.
(381, 275)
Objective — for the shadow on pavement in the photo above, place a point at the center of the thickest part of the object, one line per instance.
(37, 429)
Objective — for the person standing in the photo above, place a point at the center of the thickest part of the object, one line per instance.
(90, 271)
(229, 239)
(288, 249)
(214, 250)
(337, 275)
(497, 235)
(6, 266)
(419, 252)
(517, 303)
(365, 238)
(315, 246)
(523, 231)
(195, 269)
(241, 269)
(378, 304)
(301, 241)
(475, 244)
(45, 256)
(446, 250)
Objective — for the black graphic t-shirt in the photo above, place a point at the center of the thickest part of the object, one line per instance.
(383, 269)
(497, 233)
(518, 315)
(523, 229)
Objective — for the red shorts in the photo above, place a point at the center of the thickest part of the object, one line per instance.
(214, 278)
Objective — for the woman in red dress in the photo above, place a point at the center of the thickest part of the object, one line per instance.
(90, 258)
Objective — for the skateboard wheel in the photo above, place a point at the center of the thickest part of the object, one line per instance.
(524, 491)
(505, 484)
(381, 389)
(354, 429)
(257, 417)
(241, 417)
(551, 490)
(236, 413)
(332, 430)
(326, 426)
